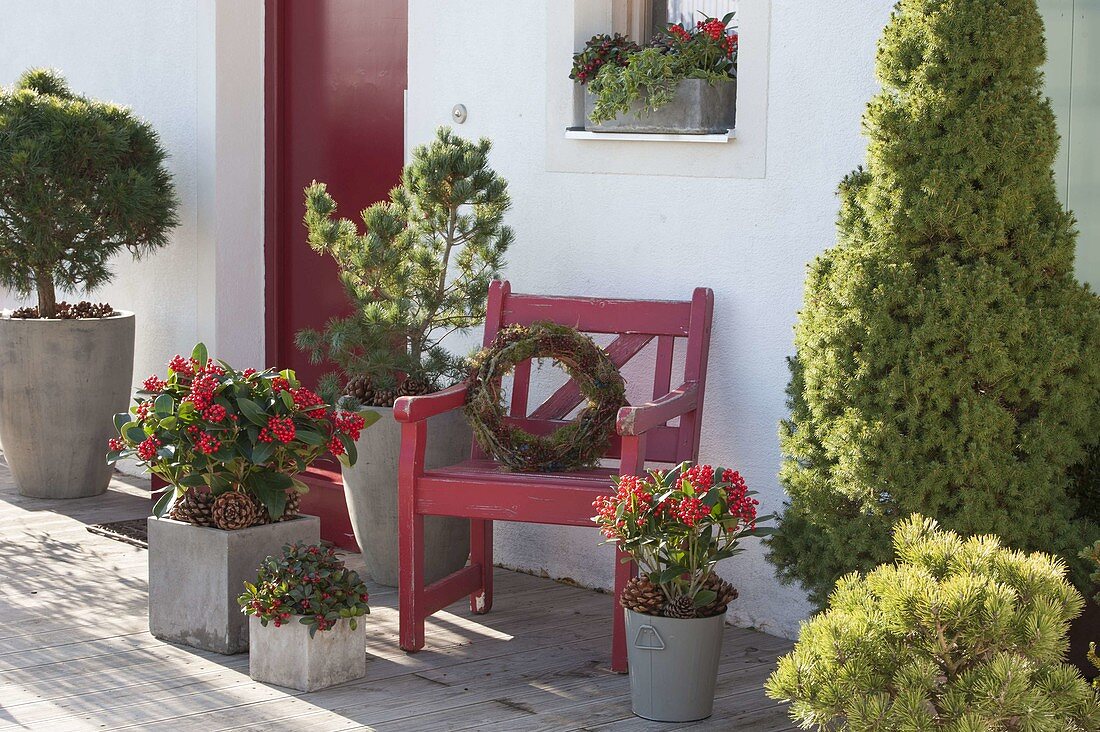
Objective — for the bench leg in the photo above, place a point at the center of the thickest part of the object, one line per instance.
(624, 572)
(410, 539)
(481, 554)
(411, 590)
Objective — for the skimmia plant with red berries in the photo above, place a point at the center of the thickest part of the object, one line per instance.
(308, 581)
(207, 425)
(620, 72)
(678, 524)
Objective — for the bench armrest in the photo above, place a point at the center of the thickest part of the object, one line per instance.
(419, 408)
(638, 420)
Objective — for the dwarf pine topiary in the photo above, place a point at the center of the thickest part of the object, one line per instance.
(79, 180)
(421, 270)
(958, 634)
(948, 362)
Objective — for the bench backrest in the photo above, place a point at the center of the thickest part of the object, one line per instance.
(636, 323)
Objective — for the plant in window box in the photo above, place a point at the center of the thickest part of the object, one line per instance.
(677, 525)
(419, 272)
(80, 181)
(229, 444)
(304, 610)
(684, 82)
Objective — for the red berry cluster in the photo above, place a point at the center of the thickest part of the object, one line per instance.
(679, 31)
(305, 399)
(154, 383)
(202, 389)
(741, 504)
(183, 366)
(278, 428)
(116, 443)
(142, 410)
(214, 413)
(348, 423)
(279, 384)
(205, 442)
(248, 373)
(335, 446)
(147, 450)
(691, 510)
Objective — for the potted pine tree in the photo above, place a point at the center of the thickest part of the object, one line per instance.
(304, 613)
(947, 360)
(419, 272)
(80, 180)
(677, 525)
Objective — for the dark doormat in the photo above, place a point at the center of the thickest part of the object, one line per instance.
(133, 531)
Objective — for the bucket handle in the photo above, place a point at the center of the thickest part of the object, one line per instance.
(648, 639)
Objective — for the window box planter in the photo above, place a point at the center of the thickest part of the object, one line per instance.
(699, 107)
(288, 656)
(370, 488)
(196, 574)
(673, 665)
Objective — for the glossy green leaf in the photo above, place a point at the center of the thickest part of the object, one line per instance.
(252, 411)
(199, 354)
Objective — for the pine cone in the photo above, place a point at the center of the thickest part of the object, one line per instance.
(642, 596)
(385, 397)
(360, 388)
(726, 593)
(233, 510)
(262, 516)
(681, 607)
(414, 387)
(194, 507)
(293, 505)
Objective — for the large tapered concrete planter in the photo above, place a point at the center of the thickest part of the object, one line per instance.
(196, 574)
(287, 656)
(370, 487)
(61, 382)
(699, 107)
(673, 666)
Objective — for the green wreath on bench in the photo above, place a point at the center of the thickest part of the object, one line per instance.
(577, 445)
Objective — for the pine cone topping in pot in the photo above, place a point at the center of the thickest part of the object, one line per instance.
(642, 596)
(234, 510)
(726, 593)
(194, 507)
(681, 607)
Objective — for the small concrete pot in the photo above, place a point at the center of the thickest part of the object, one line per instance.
(699, 107)
(673, 666)
(370, 487)
(196, 574)
(61, 382)
(287, 656)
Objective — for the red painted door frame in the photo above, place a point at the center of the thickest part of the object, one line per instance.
(335, 73)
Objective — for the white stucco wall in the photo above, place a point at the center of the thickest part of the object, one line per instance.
(652, 235)
(194, 70)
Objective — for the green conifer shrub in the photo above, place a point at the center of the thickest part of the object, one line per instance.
(79, 180)
(947, 361)
(419, 272)
(959, 634)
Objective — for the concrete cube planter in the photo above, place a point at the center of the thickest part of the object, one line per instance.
(61, 382)
(287, 656)
(196, 574)
(370, 487)
(673, 665)
(699, 107)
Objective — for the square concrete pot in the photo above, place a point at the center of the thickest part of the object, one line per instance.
(196, 574)
(699, 107)
(287, 656)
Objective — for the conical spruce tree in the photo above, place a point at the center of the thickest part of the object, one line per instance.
(948, 363)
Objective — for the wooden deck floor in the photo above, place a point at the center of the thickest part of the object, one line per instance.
(75, 652)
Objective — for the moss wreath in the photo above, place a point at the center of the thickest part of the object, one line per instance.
(577, 445)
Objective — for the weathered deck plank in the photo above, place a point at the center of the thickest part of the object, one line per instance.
(75, 653)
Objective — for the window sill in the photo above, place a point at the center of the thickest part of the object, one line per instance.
(579, 133)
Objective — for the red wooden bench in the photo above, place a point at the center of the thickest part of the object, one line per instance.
(479, 490)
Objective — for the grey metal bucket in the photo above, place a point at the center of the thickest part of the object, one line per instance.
(673, 666)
